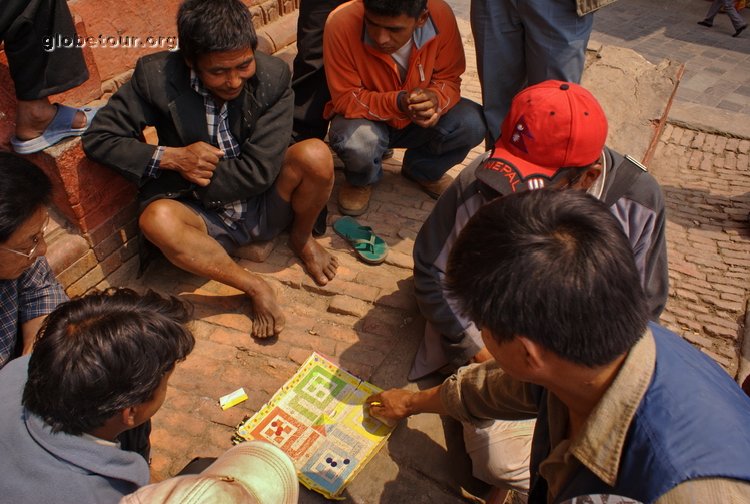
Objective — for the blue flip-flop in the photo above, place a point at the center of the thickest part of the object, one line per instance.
(60, 127)
(370, 248)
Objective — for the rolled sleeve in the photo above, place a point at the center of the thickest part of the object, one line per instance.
(480, 393)
(40, 292)
(34, 294)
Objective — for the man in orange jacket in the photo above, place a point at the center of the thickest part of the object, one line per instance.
(394, 72)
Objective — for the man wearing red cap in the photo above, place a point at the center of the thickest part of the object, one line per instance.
(553, 136)
(623, 406)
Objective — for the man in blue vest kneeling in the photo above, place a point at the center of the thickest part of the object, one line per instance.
(623, 406)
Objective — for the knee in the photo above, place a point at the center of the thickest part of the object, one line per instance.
(500, 453)
(312, 160)
(501, 469)
(464, 123)
(157, 219)
(358, 136)
(473, 123)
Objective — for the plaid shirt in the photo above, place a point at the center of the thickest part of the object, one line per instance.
(34, 294)
(219, 136)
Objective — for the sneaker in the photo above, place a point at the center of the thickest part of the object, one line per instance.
(739, 30)
(433, 188)
(705, 23)
(354, 200)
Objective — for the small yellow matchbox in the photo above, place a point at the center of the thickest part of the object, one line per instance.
(232, 399)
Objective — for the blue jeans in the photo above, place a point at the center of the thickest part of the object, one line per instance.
(430, 152)
(525, 42)
(734, 16)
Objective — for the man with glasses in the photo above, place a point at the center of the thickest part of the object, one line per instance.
(553, 136)
(28, 289)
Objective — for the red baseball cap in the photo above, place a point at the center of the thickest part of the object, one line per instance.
(551, 126)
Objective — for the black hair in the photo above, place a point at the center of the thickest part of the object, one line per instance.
(24, 188)
(101, 353)
(205, 26)
(552, 266)
(393, 8)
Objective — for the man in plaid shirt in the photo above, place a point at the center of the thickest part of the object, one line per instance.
(223, 174)
(28, 289)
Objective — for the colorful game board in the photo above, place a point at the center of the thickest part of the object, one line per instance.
(318, 418)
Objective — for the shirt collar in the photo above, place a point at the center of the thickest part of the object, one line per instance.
(600, 444)
(420, 37)
(197, 85)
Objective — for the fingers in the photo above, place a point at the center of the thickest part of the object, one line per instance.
(374, 398)
(427, 123)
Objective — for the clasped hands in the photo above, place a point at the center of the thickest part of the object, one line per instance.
(421, 105)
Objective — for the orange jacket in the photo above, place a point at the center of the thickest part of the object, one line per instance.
(365, 83)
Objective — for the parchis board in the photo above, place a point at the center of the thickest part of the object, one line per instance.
(320, 420)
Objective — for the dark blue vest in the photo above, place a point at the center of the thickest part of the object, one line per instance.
(693, 422)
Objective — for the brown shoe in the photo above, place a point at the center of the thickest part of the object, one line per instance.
(354, 200)
(433, 188)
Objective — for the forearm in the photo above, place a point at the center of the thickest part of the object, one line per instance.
(426, 401)
(29, 330)
(392, 405)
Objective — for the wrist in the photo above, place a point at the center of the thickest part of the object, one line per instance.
(401, 101)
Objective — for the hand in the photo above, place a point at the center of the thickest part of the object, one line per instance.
(422, 107)
(482, 356)
(196, 162)
(390, 406)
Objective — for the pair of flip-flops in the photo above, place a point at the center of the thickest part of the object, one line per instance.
(61, 127)
(370, 248)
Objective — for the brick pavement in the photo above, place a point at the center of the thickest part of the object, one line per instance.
(359, 319)
(705, 178)
(367, 319)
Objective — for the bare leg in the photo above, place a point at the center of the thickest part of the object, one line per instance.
(181, 235)
(33, 117)
(306, 180)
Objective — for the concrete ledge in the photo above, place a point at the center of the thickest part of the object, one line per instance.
(709, 119)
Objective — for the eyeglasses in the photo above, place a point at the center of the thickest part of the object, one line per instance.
(38, 240)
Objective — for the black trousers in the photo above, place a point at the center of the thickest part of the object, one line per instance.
(309, 79)
(26, 27)
(137, 440)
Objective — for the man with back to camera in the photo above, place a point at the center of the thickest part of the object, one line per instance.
(623, 406)
(394, 72)
(222, 175)
(98, 372)
(28, 288)
(554, 136)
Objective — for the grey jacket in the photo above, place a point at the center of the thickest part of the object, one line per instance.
(640, 210)
(38, 466)
(159, 94)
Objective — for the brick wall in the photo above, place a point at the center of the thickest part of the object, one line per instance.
(99, 205)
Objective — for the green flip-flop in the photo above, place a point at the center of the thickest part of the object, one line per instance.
(370, 248)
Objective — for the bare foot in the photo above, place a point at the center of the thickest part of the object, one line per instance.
(268, 320)
(320, 264)
(33, 117)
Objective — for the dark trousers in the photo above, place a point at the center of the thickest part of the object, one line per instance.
(137, 440)
(26, 27)
(309, 79)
